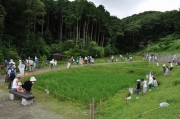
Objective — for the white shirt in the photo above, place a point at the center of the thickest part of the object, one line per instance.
(144, 83)
(14, 84)
(150, 80)
(171, 64)
(155, 83)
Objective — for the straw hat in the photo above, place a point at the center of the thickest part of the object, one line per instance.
(32, 78)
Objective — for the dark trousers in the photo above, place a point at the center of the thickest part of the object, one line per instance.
(10, 80)
(10, 83)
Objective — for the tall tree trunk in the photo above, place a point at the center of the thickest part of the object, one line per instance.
(87, 31)
(92, 30)
(34, 27)
(102, 40)
(133, 39)
(47, 25)
(98, 35)
(42, 26)
(60, 30)
(84, 32)
(95, 33)
(77, 32)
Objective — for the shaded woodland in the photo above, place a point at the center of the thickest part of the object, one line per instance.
(78, 28)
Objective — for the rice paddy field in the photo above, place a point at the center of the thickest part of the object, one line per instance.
(108, 84)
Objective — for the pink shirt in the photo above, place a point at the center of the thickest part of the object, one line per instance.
(20, 89)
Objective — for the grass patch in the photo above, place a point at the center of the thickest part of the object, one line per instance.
(83, 84)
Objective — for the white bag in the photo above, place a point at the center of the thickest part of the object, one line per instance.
(131, 90)
(163, 104)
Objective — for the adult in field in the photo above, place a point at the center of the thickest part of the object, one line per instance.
(27, 85)
(6, 63)
(112, 58)
(11, 76)
(150, 83)
(171, 66)
(167, 70)
(85, 59)
(36, 63)
(15, 82)
(31, 63)
(52, 63)
(164, 69)
(138, 88)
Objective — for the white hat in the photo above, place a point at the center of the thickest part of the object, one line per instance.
(138, 80)
(33, 79)
(164, 65)
(19, 83)
(19, 75)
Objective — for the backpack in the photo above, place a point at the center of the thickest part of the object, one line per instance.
(12, 73)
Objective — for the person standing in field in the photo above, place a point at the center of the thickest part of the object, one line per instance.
(150, 82)
(112, 58)
(171, 66)
(144, 85)
(137, 88)
(11, 75)
(167, 70)
(155, 83)
(164, 69)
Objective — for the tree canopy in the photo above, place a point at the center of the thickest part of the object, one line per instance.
(43, 27)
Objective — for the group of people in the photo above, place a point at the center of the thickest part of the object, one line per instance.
(80, 60)
(29, 63)
(112, 58)
(166, 69)
(14, 80)
(25, 87)
(143, 85)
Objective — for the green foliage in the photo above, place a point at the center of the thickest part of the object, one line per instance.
(76, 52)
(94, 50)
(43, 58)
(165, 46)
(108, 50)
(64, 24)
(141, 45)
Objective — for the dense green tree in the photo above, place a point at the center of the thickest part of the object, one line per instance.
(79, 27)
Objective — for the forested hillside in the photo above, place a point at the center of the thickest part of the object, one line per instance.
(78, 28)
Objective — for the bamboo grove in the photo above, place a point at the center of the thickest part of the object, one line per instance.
(77, 28)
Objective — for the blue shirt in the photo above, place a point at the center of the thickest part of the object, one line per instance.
(9, 71)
